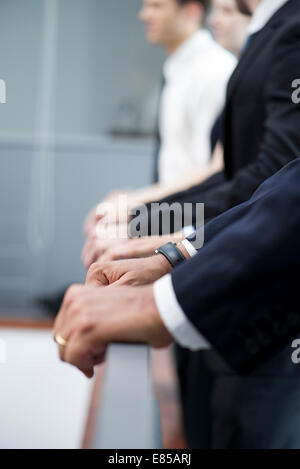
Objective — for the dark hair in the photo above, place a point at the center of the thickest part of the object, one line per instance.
(205, 3)
(243, 7)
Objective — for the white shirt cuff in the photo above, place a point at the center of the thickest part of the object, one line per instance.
(177, 323)
(188, 230)
(189, 247)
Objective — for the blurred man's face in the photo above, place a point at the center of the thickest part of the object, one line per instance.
(163, 20)
(229, 26)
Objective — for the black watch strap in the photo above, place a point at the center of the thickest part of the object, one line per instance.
(172, 253)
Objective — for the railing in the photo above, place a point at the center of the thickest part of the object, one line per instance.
(128, 415)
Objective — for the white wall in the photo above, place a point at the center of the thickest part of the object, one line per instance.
(44, 402)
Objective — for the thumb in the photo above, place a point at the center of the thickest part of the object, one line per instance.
(96, 278)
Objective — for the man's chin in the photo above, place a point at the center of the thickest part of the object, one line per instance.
(153, 39)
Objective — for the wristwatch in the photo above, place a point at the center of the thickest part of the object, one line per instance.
(171, 252)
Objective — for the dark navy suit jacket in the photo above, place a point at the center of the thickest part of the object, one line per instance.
(242, 290)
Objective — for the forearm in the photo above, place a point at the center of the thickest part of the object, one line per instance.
(196, 176)
(246, 272)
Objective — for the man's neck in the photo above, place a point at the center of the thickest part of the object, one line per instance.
(253, 4)
(173, 46)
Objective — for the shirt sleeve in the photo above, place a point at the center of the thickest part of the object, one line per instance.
(205, 104)
(189, 247)
(177, 323)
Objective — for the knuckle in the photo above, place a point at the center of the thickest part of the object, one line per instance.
(70, 293)
(106, 266)
(94, 268)
(128, 279)
(84, 325)
(76, 308)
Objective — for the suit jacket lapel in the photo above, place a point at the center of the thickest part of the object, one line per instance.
(248, 59)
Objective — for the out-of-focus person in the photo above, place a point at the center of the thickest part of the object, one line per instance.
(195, 76)
(229, 26)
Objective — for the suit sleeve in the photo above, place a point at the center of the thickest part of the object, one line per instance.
(241, 290)
(280, 143)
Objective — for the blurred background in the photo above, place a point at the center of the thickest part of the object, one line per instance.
(69, 133)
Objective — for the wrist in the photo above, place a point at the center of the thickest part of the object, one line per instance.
(156, 333)
(172, 253)
(183, 250)
(163, 264)
(139, 322)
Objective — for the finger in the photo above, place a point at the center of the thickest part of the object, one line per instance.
(120, 251)
(62, 348)
(62, 317)
(98, 220)
(93, 256)
(61, 353)
(90, 255)
(70, 294)
(101, 211)
(96, 277)
(78, 354)
(111, 254)
(85, 251)
(126, 280)
(66, 333)
(101, 228)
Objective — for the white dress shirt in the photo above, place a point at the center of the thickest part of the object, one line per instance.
(174, 318)
(263, 13)
(196, 77)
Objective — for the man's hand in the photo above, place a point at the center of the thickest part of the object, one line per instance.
(134, 272)
(90, 318)
(94, 248)
(113, 210)
(139, 247)
(100, 211)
